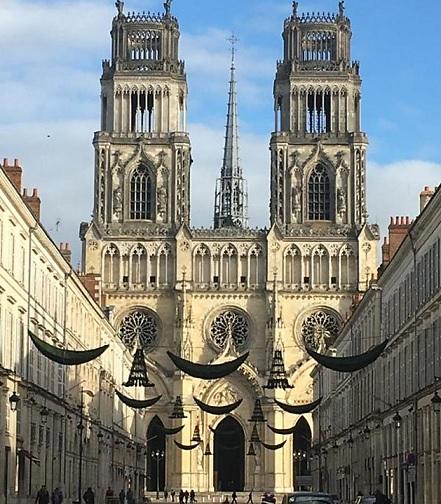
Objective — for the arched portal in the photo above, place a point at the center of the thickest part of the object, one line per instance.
(229, 456)
(155, 444)
(301, 454)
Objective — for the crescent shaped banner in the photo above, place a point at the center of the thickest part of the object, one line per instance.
(283, 432)
(185, 447)
(135, 403)
(66, 357)
(349, 364)
(207, 371)
(300, 409)
(273, 447)
(217, 410)
(172, 431)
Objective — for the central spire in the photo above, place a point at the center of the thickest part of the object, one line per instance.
(231, 203)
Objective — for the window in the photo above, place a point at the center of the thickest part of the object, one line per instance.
(319, 198)
(141, 194)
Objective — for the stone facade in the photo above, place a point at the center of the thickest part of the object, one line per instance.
(210, 294)
(378, 429)
(39, 443)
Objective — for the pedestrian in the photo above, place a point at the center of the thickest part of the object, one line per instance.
(42, 496)
(380, 498)
(234, 497)
(192, 497)
(130, 496)
(172, 493)
(109, 492)
(186, 496)
(181, 496)
(57, 496)
(89, 496)
(250, 498)
(122, 496)
(165, 495)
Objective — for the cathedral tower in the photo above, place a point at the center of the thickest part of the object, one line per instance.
(142, 151)
(318, 150)
(231, 199)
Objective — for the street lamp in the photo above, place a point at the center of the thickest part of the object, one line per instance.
(436, 402)
(14, 400)
(44, 413)
(397, 419)
(158, 455)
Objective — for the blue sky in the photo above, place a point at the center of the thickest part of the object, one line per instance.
(49, 85)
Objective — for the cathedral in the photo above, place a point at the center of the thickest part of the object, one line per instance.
(210, 295)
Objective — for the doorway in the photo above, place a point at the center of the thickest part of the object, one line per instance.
(229, 456)
(156, 463)
(301, 455)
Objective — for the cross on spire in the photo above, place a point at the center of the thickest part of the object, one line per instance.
(233, 40)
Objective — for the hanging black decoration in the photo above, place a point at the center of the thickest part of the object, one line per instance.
(257, 415)
(251, 451)
(300, 409)
(283, 432)
(255, 435)
(349, 364)
(273, 447)
(208, 371)
(172, 431)
(217, 410)
(196, 435)
(137, 404)
(138, 374)
(185, 447)
(207, 450)
(178, 409)
(66, 357)
(278, 378)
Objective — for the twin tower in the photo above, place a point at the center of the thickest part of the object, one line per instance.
(144, 108)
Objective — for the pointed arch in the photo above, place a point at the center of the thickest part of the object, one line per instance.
(111, 265)
(229, 455)
(138, 265)
(293, 266)
(301, 454)
(201, 265)
(165, 263)
(348, 266)
(256, 265)
(229, 265)
(319, 195)
(320, 266)
(156, 442)
(141, 194)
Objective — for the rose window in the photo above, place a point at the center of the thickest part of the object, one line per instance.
(319, 330)
(226, 325)
(139, 329)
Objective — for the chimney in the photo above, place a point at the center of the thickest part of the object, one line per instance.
(66, 252)
(92, 283)
(33, 202)
(14, 172)
(385, 251)
(425, 197)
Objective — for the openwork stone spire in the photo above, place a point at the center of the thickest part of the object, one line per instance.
(231, 204)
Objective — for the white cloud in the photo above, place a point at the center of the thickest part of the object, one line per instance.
(393, 189)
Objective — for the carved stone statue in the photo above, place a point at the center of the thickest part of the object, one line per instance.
(117, 202)
(120, 6)
(161, 201)
(341, 8)
(167, 7)
(295, 6)
(341, 200)
(295, 200)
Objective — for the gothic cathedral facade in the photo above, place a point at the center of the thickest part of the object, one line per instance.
(211, 294)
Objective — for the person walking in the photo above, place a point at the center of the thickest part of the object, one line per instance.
(181, 496)
(109, 492)
(250, 498)
(172, 493)
(89, 496)
(192, 497)
(186, 496)
(165, 495)
(130, 496)
(42, 496)
(234, 497)
(122, 496)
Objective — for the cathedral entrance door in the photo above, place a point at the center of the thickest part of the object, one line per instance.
(229, 456)
(156, 456)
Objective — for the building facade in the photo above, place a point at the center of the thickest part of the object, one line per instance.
(40, 441)
(380, 428)
(210, 294)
